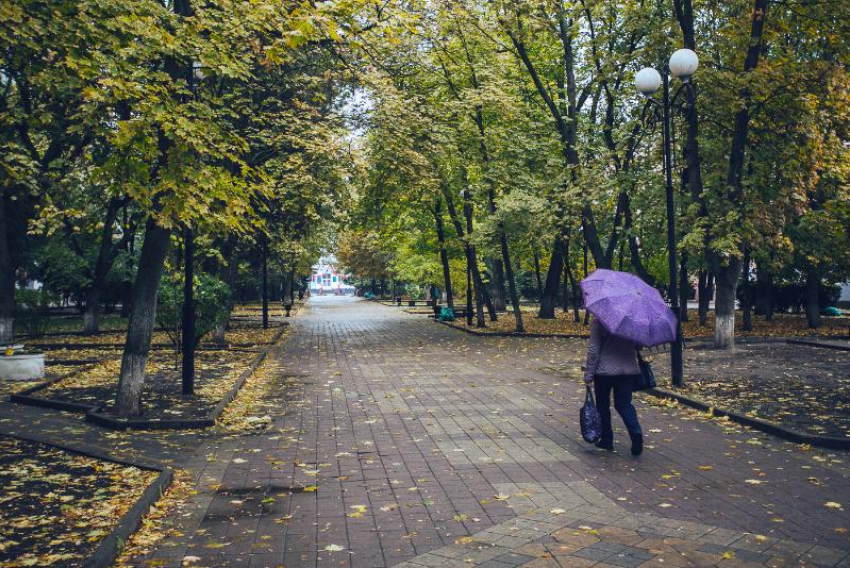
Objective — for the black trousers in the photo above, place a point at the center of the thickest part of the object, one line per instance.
(623, 386)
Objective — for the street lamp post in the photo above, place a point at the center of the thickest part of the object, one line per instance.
(196, 74)
(683, 63)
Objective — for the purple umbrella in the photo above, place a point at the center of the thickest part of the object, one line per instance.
(628, 307)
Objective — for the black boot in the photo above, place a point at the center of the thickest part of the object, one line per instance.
(605, 445)
(637, 444)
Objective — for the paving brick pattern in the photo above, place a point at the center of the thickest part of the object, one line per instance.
(400, 442)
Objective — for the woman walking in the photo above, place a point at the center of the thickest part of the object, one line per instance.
(612, 366)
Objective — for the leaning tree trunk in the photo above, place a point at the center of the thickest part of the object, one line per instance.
(506, 259)
(7, 279)
(726, 279)
(812, 298)
(142, 316)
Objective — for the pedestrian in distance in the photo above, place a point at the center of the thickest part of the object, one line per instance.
(628, 314)
(612, 366)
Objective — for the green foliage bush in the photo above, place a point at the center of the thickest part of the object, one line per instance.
(32, 311)
(211, 306)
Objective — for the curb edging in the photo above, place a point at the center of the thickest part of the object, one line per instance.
(815, 343)
(830, 442)
(515, 334)
(109, 548)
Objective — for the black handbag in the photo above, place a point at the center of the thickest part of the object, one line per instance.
(646, 379)
(590, 420)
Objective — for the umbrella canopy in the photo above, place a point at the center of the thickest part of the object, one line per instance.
(628, 307)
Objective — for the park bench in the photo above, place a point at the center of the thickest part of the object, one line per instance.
(460, 312)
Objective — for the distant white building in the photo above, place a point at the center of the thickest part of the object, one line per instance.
(327, 280)
(844, 299)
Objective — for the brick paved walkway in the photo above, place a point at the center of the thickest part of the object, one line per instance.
(401, 442)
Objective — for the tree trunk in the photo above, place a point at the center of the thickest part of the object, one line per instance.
(265, 283)
(576, 299)
(7, 278)
(142, 316)
(537, 272)
(565, 295)
(684, 288)
(127, 286)
(286, 293)
(106, 254)
(189, 331)
(584, 268)
(812, 298)
(726, 279)
(477, 286)
(727, 276)
(706, 291)
(91, 315)
(576, 293)
(228, 273)
(444, 254)
(471, 256)
(468, 290)
(553, 283)
(506, 259)
(760, 304)
(498, 284)
(746, 297)
(768, 314)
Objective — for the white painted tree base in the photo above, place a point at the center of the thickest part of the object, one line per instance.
(724, 332)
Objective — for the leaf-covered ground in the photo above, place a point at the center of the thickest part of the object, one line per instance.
(265, 393)
(783, 325)
(255, 309)
(216, 373)
(97, 362)
(56, 507)
(804, 388)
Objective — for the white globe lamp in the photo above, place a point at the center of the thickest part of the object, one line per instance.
(683, 64)
(647, 81)
(198, 70)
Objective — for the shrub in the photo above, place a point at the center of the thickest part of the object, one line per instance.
(32, 311)
(211, 306)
